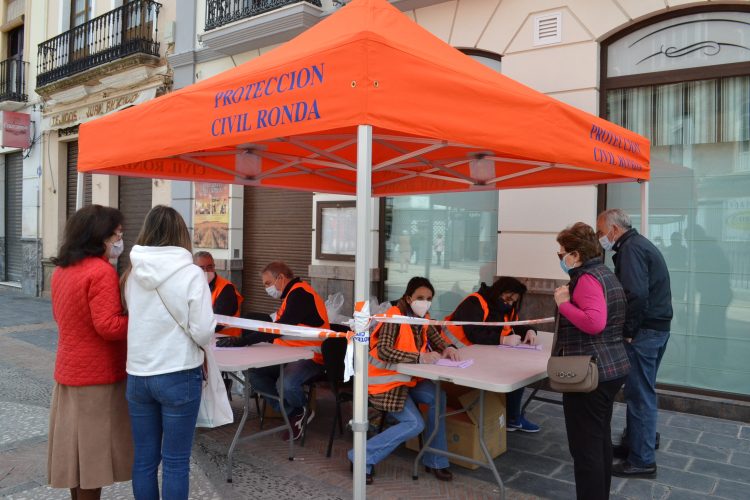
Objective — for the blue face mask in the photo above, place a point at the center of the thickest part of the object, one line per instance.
(566, 269)
(606, 243)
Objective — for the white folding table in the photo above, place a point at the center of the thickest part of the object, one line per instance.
(244, 359)
(495, 369)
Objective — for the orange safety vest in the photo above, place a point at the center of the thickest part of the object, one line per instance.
(219, 286)
(454, 334)
(512, 316)
(382, 376)
(321, 308)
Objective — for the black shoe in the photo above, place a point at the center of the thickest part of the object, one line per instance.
(441, 474)
(620, 451)
(626, 469)
(368, 477)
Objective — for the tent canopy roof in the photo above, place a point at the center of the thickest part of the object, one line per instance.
(442, 121)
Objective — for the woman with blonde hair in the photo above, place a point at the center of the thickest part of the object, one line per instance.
(169, 303)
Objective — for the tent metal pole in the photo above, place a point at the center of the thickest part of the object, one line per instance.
(644, 208)
(79, 191)
(362, 293)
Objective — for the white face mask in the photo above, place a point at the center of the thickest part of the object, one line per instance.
(273, 292)
(420, 307)
(116, 249)
(605, 242)
(210, 276)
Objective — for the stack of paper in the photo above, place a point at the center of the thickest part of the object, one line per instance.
(457, 364)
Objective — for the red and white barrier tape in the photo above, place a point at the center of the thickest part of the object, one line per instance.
(304, 332)
(395, 318)
(307, 332)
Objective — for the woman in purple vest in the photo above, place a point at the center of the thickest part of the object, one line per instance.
(592, 314)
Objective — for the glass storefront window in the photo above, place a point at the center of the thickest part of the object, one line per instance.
(451, 239)
(699, 218)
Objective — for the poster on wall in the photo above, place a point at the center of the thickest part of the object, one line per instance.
(211, 215)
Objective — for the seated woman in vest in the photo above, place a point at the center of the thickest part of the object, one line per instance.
(399, 394)
(499, 302)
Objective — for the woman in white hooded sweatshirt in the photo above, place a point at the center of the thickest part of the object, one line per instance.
(169, 304)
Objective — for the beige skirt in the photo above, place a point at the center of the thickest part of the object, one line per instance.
(90, 444)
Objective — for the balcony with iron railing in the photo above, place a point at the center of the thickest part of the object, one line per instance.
(221, 12)
(122, 32)
(13, 80)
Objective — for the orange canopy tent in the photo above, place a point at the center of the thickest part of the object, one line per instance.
(368, 103)
(441, 121)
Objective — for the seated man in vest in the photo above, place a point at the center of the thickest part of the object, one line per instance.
(300, 305)
(225, 298)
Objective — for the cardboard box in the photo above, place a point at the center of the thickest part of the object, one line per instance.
(462, 430)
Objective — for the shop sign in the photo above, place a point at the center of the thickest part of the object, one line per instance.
(15, 129)
(97, 109)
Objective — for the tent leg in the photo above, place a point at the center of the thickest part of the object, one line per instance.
(644, 208)
(362, 293)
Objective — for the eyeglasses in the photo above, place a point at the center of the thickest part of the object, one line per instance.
(208, 268)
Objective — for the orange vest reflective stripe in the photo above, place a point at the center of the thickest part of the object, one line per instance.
(511, 316)
(382, 376)
(454, 334)
(320, 306)
(219, 286)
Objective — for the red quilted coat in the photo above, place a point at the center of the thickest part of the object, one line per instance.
(92, 345)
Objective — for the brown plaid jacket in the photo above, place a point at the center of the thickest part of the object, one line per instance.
(395, 399)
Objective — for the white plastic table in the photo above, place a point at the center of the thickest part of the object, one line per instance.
(495, 369)
(243, 359)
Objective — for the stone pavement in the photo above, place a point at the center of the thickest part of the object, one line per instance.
(700, 457)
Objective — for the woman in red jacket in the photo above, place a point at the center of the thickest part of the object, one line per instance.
(90, 443)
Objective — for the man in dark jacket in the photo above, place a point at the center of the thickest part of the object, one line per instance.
(641, 269)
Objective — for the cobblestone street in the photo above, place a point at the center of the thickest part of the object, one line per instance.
(699, 457)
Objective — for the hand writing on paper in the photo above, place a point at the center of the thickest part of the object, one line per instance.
(429, 358)
(511, 340)
(530, 337)
(451, 353)
(562, 294)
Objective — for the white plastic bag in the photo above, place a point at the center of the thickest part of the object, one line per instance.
(215, 410)
(376, 308)
(334, 303)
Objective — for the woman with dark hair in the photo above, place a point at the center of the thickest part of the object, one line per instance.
(592, 314)
(399, 394)
(90, 444)
(499, 302)
(171, 319)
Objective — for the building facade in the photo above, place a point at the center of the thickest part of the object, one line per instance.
(96, 58)
(20, 167)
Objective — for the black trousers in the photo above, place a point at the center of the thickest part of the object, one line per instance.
(587, 420)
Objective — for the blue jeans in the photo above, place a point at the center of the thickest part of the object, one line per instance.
(513, 402)
(295, 374)
(163, 410)
(410, 424)
(645, 353)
